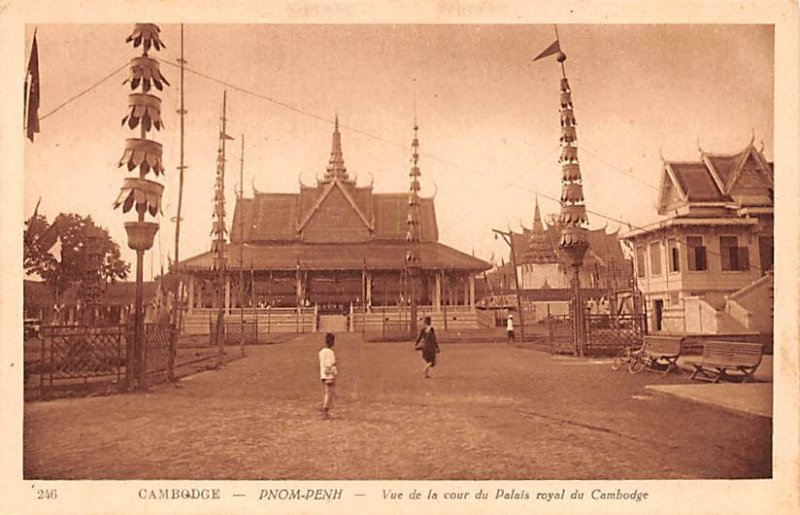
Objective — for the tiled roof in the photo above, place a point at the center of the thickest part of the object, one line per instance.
(695, 179)
(603, 247)
(391, 211)
(725, 165)
(382, 255)
(274, 216)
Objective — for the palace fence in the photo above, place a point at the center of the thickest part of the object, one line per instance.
(605, 334)
(74, 360)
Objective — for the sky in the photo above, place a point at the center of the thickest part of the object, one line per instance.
(488, 116)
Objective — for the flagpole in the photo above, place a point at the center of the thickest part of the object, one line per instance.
(176, 289)
(241, 249)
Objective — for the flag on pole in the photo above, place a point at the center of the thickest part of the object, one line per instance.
(554, 48)
(32, 92)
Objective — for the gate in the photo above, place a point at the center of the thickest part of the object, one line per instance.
(606, 334)
(560, 334)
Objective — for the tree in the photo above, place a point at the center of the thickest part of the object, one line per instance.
(76, 263)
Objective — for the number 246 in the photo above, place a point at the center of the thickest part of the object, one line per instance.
(46, 494)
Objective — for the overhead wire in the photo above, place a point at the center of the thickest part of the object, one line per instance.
(384, 139)
(85, 91)
(507, 183)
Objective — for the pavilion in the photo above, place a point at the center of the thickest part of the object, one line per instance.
(335, 246)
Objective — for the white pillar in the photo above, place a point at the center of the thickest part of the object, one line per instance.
(437, 291)
(368, 293)
(190, 302)
(472, 291)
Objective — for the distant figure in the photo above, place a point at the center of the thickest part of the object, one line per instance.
(327, 373)
(510, 328)
(429, 347)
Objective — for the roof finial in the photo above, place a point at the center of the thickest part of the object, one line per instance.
(699, 148)
(661, 155)
(752, 136)
(336, 168)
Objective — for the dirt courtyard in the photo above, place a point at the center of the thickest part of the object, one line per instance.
(491, 411)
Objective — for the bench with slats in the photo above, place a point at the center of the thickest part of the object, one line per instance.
(664, 351)
(727, 360)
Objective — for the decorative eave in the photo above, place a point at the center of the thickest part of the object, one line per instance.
(328, 188)
(687, 222)
(675, 182)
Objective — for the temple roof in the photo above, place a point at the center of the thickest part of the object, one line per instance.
(744, 178)
(604, 248)
(374, 255)
(335, 209)
(539, 249)
(273, 217)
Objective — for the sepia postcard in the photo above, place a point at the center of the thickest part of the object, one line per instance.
(399, 257)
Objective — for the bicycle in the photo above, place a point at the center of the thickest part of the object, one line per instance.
(635, 359)
(623, 358)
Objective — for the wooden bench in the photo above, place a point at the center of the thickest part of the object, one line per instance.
(663, 350)
(720, 357)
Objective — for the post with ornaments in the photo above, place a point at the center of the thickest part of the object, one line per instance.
(413, 231)
(573, 219)
(145, 156)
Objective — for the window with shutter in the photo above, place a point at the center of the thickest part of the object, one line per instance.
(696, 253)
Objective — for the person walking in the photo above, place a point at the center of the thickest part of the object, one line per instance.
(327, 374)
(429, 346)
(510, 328)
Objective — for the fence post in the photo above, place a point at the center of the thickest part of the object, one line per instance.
(41, 368)
(549, 326)
(129, 372)
(173, 349)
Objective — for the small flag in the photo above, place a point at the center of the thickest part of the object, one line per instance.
(554, 48)
(32, 92)
(222, 135)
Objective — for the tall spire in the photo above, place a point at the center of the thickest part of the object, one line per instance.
(539, 249)
(218, 229)
(537, 217)
(336, 168)
(573, 211)
(412, 220)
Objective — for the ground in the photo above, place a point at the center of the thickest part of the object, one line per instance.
(491, 411)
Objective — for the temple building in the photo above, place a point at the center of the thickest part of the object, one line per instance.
(706, 265)
(540, 265)
(333, 247)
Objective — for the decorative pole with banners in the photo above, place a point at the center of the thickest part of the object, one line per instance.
(573, 219)
(144, 111)
(218, 231)
(412, 233)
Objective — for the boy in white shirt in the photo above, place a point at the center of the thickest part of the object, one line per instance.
(327, 373)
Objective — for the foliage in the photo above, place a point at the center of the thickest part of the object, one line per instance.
(73, 264)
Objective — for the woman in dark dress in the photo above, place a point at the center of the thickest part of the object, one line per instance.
(429, 347)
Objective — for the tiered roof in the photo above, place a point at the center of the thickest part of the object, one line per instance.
(335, 225)
(743, 178)
(540, 249)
